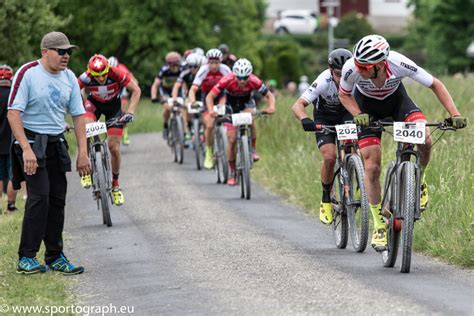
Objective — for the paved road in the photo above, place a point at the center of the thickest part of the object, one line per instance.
(184, 245)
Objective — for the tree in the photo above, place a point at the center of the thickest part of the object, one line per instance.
(22, 25)
(353, 26)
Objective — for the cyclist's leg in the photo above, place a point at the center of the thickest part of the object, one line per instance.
(231, 152)
(164, 95)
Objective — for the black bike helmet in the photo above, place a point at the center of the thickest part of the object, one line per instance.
(338, 57)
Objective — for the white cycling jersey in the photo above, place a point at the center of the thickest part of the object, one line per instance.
(398, 67)
(323, 93)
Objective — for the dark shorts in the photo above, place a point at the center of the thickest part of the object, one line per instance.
(398, 106)
(5, 167)
(237, 108)
(111, 110)
(329, 118)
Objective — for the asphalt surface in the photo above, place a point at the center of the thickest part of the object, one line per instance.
(184, 245)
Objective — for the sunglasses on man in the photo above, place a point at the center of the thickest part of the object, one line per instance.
(62, 51)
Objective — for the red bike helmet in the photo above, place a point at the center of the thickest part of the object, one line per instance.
(6, 73)
(98, 65)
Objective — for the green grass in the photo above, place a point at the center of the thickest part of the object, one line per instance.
(291, 163)
(17, 290)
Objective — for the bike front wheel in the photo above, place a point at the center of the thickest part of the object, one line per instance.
(339, 215)
(407, 208)
(102, 184)
(358, 206)
(220, 154)
(179, 140)
(389, 256)
(245, 168)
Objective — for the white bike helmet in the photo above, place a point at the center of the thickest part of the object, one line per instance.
(194, 59)
(371, 49)
(113, 61)
(214, 54)
(242, 68)
(198, 50)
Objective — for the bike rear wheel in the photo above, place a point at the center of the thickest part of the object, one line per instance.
(102, 183)
(245, 168)
(407, 204)
(358, 211)
(198, 144)
(339, 215)
(389, 256)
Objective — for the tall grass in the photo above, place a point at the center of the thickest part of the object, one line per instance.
(290, 166)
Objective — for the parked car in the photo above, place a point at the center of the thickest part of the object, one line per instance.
(296, 22)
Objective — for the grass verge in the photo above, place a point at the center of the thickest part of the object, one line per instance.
(291, 163)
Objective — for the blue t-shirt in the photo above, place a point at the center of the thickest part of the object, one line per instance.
(45, 98)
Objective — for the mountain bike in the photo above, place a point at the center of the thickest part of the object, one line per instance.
(176, 129)
(220, 146)
(350, 206)
(197, 132)
(402, 188)
(100, 167)
(244, 162)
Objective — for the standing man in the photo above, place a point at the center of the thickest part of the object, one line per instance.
(43, 92)
(6, 75)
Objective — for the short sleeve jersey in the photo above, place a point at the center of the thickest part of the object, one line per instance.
(207, 79)
(398, 67)
(45, 98)
(116, 80)
(323, 93)
(230, 85)
(168, 77)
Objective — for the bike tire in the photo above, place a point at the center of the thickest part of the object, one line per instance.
(220, 153)
(407, 204)
(339, 215)
(358, 214)
(179, 141)
(389, 256)
(198, 144)
(102, 174)
(245, 159)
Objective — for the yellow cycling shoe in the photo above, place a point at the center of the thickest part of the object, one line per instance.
(86, 181)
(209, 160)
(117, 196)
(424, 198)
(379, 239)
(325, 213)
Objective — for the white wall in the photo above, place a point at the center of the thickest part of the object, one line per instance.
(389, 8)
(276, 5)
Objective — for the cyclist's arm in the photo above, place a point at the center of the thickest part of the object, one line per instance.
(136, 92)
(192, 93)
(271, 102)
(299, 109)
(349, 102)
(444, 97)
(176, 86)
(210, 101)
(154, 88)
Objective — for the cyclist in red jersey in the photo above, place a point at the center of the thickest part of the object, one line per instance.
(238, 87)
(124, 94)
(104, 84)
(207, 76)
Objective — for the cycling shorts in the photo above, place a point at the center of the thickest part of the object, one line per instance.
(398, 106)
(111, 110)
(329, 118)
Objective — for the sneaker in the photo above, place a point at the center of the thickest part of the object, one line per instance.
(30, 266)
(86, 181)
(232, 180)
(379, 239)
(325, 213)
(11, 208)
(209, 160)
(65, 267)
(117, 196)
(125, 139)
(255, 156)
(165, 133)
(424, 198)
(187, 136)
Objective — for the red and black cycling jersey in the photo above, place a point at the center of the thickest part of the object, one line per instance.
(116, 80)
(236, 93)
(230, 60)
(169, 77)
(205, 79)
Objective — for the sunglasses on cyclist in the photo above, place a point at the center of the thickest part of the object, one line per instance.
(100, 74)
(62, 51)
(364, 67)
(337, 73)
(242, 78)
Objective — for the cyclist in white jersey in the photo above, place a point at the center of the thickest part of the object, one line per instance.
(328, 110)
(376, 73)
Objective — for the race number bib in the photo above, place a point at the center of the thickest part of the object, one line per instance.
(220, 109)
(346, 131)
(242, 119)
(413, 133)
(196, 109)
(95, 128)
